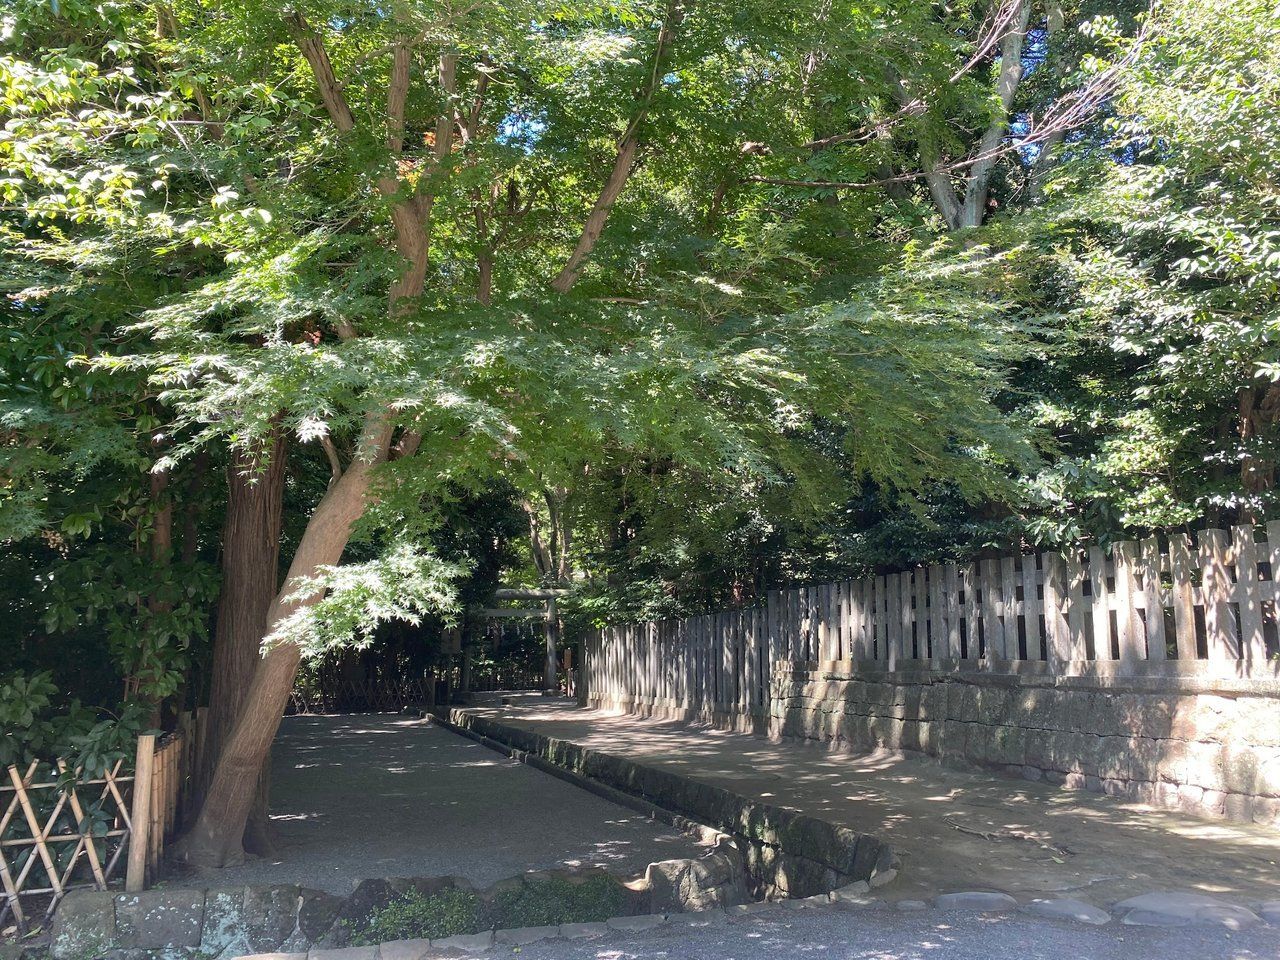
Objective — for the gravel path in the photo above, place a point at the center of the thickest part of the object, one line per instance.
(886, 934)
(381, 795)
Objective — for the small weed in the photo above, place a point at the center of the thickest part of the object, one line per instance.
(416, 915)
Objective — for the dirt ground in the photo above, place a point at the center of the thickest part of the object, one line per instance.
(953, 830)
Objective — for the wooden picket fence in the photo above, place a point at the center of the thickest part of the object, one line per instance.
(62, 832)
(1155, 607)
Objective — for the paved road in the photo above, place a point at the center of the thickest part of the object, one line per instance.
(382, 795)
(886, 934)
(953, 830)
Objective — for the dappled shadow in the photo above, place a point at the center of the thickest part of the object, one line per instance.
(952, 828)
(371, 796)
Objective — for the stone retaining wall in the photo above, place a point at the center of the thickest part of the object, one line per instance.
(1210, 747)
(788, 854)
(197, 924)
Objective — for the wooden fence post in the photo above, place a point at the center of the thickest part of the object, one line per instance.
(140, 816)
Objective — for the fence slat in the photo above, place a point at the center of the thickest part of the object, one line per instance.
(1253, 643)
(1031, 608)
(1154, 602)
(1129, 630)
(1215, 587)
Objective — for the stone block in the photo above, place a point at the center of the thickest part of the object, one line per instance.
(464, 941)
(344, 953)
(270, 915)
(578, 931)
(1176, 908)
(223, 933)
(404, 949)
(83, 925)
(645, 921)
(1066, 908)
(159, 919)
(977, 901)
(317, 913)
(521, 936)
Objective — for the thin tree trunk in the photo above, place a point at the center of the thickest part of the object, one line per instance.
(250, 581)
(976, 190)
(1055, 23)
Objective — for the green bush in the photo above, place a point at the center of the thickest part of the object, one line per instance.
(548, 903)
(416, 915)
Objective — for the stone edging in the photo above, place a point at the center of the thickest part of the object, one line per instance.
(1167, 909)
(788, 854)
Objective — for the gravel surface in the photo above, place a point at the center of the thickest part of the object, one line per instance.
(382, 795)
(886, 934)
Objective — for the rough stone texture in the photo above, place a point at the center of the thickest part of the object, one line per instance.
(274, 956)
(465, 941)
(576, 931)
(716, 880)
(404, 949)
(645, 921)
(1065, 908)
(1270, 911)
(519, 936)
(223, 932)
(159, 918)
(1171, 742)
(85, 923)
(1175, 908)
(981, 901)
(908, 906)
(270, 916)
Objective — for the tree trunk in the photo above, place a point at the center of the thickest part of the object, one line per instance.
(250, 581)
(216, 839)
(1258, 415)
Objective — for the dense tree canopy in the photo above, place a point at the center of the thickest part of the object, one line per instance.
(671, 301)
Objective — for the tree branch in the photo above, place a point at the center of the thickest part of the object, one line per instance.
(622, 163)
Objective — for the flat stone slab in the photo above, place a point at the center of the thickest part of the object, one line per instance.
(465, 941)
(344, 953)
(404, 949)
(1270, 911)
(1065, 908)
(979, 901)
(645, 921)
(158, 919)
(577, 931)
(519, 936)
(1171, 908)
(910, 906)
(273, 956)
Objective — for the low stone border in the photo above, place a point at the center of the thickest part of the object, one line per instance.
(229, 922)
(788, 854)
(1165, 909)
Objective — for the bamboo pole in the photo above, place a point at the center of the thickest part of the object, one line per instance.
(136, 873)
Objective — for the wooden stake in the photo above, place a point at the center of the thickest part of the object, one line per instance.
(136, 873)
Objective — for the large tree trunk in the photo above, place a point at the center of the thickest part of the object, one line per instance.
(216, 838)
(250, 581)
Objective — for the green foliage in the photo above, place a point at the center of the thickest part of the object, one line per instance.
(416, 915)
(555, 901)
(34, 726)
(450, 911)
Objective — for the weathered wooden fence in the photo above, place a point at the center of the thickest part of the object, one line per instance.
(60, 832)
(1155, 607)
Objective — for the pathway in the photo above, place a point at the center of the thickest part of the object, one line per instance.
(382, 795)
(953, 830)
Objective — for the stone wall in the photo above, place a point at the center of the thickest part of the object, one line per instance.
(1203, 745)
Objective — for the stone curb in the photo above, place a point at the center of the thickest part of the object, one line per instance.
(973, 901)
(789, 853)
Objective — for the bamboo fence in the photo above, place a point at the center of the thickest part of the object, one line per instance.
(62, 832)
(1149, 608)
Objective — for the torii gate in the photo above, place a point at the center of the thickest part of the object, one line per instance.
(547, 613)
